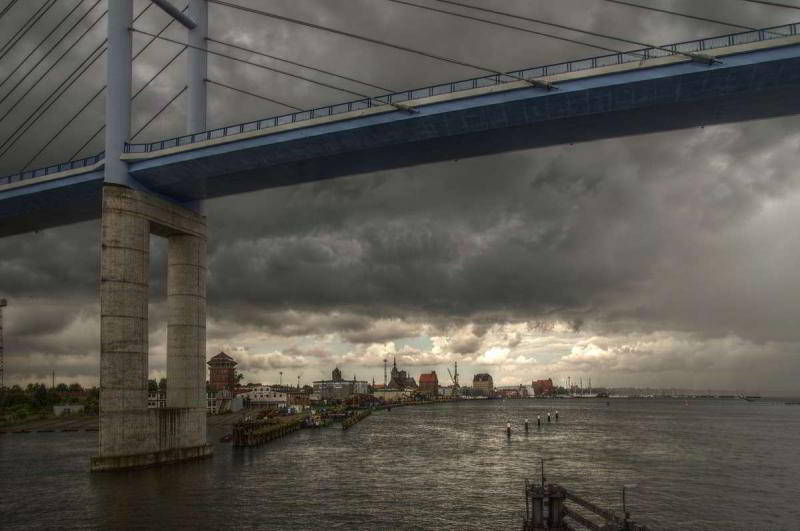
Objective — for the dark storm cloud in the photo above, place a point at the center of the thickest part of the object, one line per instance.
(686, 231)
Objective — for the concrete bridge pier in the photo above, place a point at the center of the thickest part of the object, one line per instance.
(131, 435)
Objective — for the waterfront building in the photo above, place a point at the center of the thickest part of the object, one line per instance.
(392, 395)
(222, 372)
(511, 391)
(429, 384)
(400, 379)
(338, 388)
(483, 384)
(264, 395)
(543, 387)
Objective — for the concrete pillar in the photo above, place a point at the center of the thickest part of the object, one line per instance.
(186, 327)
(131, 435)
(124, 272)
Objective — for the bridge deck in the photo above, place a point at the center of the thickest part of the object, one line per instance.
(751, 80)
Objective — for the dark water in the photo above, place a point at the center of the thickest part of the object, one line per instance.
(708, 465)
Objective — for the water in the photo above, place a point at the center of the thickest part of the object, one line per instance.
(709, 465)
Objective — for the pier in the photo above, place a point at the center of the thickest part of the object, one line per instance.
(546, 507)
(355, 418)
(257, 432)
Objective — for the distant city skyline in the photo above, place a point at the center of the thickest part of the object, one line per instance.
(666, 260)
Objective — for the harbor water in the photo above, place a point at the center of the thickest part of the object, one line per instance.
(699, 464)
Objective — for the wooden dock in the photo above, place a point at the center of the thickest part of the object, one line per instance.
(257, 432)
(355, 418)
(546, 507)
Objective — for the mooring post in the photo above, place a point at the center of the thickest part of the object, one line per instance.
(538, 421)
(556, 415)
(548, 416)
(526, 425)
(508, 429)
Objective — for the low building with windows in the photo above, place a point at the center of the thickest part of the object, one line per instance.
(338, 388)
(265, 396)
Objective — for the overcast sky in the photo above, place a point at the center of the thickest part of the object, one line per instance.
(668, 260)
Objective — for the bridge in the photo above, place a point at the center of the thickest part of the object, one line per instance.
(138, 189)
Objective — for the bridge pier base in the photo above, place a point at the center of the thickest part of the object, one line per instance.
(131, 435)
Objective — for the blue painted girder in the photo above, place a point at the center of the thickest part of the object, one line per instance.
(748, 86)
(752, 85)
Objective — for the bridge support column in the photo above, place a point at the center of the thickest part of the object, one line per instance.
(131, 435)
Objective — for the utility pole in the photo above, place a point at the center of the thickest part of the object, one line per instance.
(3, 304)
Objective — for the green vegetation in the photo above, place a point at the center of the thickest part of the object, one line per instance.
(36, 401)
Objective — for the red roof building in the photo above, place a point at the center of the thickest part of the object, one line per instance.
(222, 372)
(429, 384)
(543, 387)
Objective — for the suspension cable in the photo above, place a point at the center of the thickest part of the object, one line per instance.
(773, 4)
(30, 120)
(362, 38)
(152, 78)
(96, 95)
(249, 50)
(100, 130)
(508, 26)
(259, 65)
(253, 94)
(152, 40)
(691, 55)
(55, 63)
(63, 127)
(156, 115)
(7, 8)
(8, 45)
(45, 54)
(685, 15)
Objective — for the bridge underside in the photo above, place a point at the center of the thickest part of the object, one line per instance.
(759, 84)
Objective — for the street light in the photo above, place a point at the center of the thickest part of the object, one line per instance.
(280, 381)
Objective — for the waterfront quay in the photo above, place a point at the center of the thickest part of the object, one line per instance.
(443, 466)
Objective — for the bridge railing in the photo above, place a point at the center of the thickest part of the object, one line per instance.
(698, 45)
(55, 168)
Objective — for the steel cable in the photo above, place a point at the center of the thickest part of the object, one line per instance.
(326, 72)
(356, 36)
(7, 8)
(44, 56)
(253, 94)
(156, 115)
(55, 63)
(26, 27)
(30, 120)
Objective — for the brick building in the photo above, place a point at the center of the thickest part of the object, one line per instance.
(543, 387)
(222, 372)
(429, 384)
